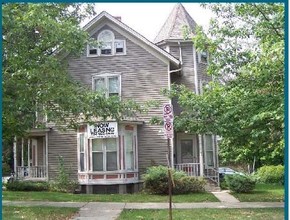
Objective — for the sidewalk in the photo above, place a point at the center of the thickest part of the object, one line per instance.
(111, 211)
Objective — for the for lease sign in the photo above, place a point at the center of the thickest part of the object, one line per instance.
(103, 130)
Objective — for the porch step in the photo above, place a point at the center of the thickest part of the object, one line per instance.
(212, 186)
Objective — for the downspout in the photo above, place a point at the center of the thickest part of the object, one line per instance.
(170, 101)
(199, 136)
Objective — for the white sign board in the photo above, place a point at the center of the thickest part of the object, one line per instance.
(103, 130)
(168, 121)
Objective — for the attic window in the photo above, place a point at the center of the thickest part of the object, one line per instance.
(108, 45)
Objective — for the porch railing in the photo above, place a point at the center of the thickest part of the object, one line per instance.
(212, 174)
(191, 169)
(31, 172)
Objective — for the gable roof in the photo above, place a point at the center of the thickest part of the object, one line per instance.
(172, 29)
(93, 23)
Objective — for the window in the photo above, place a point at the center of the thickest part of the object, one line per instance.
(104, 154)
(108, 45)
(82, 152)
(129, 150)
(108, 84)
(120, 46)
(203, 57)
(209, 150)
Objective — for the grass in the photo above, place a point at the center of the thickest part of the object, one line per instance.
(205, 214)
(45, 213)
(138, 197)
(263, 193)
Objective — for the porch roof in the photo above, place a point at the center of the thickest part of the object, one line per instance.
(37, 132)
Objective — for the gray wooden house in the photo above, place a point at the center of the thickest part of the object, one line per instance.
(111, 156)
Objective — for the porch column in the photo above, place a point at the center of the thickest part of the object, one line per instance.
(200, 154)
(28, 156)
(46, 154)
(22, 153)
(14, 153)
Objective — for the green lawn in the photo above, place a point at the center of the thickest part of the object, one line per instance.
(138, 197)
(263, 193)
(45, 213)
(205, 214)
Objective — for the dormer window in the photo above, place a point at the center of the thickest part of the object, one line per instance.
(108, 45)
(203, 57)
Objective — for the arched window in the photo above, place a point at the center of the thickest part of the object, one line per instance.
(106, 39)
(107, 45)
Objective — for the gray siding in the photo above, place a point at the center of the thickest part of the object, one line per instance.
(62, 143)
(142, 77)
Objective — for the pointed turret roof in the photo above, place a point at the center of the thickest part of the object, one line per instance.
(174, 25)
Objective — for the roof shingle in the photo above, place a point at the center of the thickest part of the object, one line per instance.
(175, 23)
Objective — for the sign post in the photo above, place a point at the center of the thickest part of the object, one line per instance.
(168, 133)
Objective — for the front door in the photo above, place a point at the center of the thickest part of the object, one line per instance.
(187, 150)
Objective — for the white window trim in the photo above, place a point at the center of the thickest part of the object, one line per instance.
(212, 150)
(85, 151)
(106, 76)
(114, 53)
(104, 151)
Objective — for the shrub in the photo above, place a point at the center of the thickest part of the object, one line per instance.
(156, 181)
(239, 183)
(63, 182)
(6, 169)
(223, 184)
(27, 186)
(270, 174)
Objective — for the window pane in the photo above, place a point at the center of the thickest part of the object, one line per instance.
(100, 84)
(93, 51)
(114, 85)
(82, 167)
(208, 142)
(129, 160)
(106, 36)
(209, 158)
(81, 142)
(111, 144)
(98, 161)
(129, 142)
(97, 144)
(111, 161)
(106, 48)
(119, 45)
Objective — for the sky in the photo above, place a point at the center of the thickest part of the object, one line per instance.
(148, 18)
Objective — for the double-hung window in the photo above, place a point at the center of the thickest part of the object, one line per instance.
(104, 154)
(109, 84)
(129, 144)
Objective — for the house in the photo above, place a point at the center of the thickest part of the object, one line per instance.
(110, 156)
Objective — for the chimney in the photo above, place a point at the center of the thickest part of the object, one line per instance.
(118, 18)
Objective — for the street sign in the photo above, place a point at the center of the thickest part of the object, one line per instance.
(168, 121)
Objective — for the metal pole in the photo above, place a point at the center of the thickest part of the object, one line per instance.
(169, 180)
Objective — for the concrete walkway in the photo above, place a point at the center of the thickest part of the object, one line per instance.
(111, 211)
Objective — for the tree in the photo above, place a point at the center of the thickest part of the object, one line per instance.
(245, 102)
(35, 79)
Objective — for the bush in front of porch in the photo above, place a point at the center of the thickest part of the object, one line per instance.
(156, 181)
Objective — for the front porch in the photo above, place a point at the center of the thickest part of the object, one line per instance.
(196, 155)
(30, 156)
